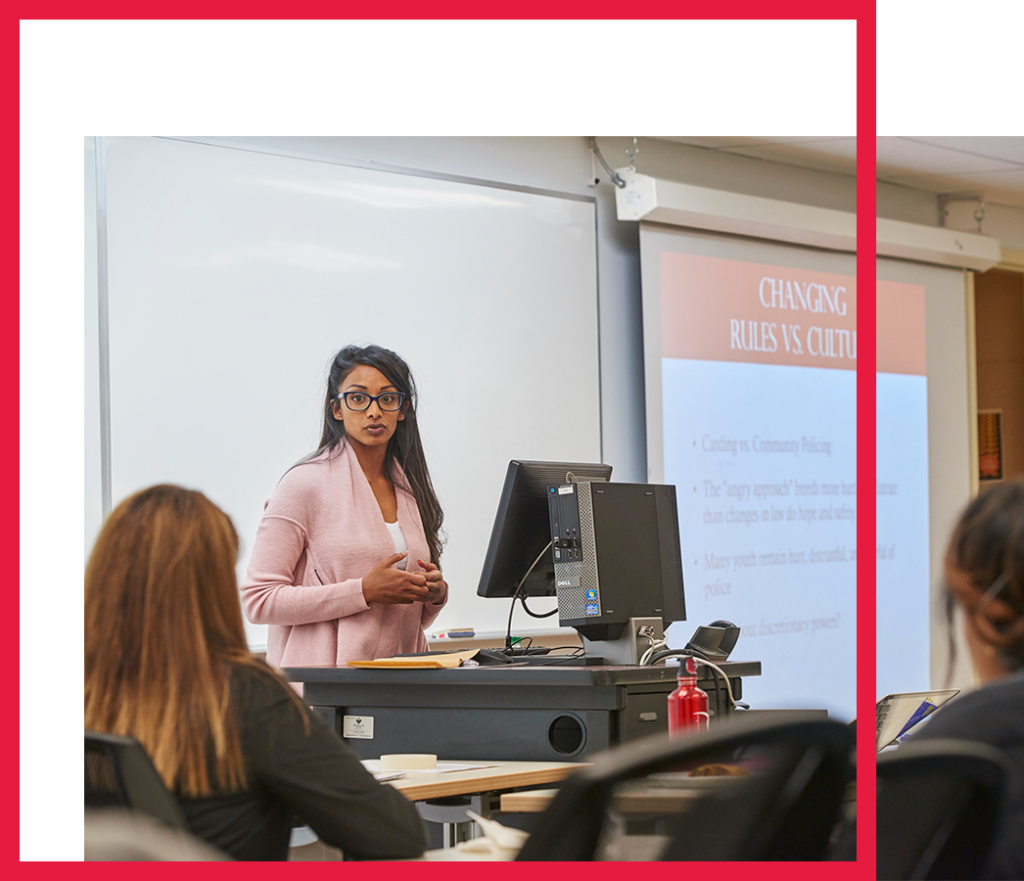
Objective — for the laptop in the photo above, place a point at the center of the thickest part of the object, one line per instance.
(897, 714)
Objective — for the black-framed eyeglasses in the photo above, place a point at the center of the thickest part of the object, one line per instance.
(360, 401)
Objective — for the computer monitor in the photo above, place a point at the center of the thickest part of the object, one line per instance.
(610, 552)
(521, 531)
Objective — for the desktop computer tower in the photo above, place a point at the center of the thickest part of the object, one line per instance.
(617, 556)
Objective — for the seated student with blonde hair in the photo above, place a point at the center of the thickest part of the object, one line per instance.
(985, 578)
(166, 662)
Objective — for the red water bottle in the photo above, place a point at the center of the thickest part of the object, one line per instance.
(688, 704)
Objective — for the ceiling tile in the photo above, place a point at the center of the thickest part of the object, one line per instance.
(1008, 149)
(905, 156)
(991, 166)
(837, 155)
(720, 141)
(1000, 187)
(713, 143)
(808, 140)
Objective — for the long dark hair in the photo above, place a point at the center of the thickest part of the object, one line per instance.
(163, 631)
(987, 545)
(405, 447)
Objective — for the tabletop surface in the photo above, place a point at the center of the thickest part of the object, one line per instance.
(419, 785)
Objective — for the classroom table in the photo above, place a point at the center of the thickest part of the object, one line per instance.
(677, 794)
(636, 799)
(423, 785)
(445, 796)
(530, 801)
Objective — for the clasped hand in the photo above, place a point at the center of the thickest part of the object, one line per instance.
(388, 585)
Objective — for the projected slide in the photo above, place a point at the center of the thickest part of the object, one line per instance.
(759, 429)
(759, 437)
(902, 552)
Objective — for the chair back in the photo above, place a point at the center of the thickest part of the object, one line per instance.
(938, 809)
(748, 789)
(121, 834)
(120, 773)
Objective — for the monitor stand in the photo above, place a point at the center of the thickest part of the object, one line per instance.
(629, 648)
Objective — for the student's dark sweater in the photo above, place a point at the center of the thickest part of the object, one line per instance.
(994, 714)
(291, 774)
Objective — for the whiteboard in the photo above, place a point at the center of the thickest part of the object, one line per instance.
(234, 276)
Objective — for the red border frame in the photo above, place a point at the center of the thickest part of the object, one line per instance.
(866, 435)
(865, 15)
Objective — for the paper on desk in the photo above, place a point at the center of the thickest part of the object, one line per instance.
(381, 776)
(373, 766)
(422, 662)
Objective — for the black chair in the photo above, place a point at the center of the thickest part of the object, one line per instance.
(120, 773)
(640, 801)
(938, 809)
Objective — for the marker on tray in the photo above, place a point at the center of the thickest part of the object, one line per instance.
(455, 633)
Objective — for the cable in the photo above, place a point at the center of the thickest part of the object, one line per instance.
(515, 596)
(526, 608)
(651, 649)
(520, 648)
(679, 653)
(555, 660)
(612, 174)
(728, 685)
(522, 581)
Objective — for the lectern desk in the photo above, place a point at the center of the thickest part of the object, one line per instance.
(518, 713)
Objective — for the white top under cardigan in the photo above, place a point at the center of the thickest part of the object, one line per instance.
(400, 546)
(321, 532)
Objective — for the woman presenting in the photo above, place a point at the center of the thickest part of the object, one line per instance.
(345, 564)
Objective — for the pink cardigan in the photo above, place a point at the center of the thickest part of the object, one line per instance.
(321, 532)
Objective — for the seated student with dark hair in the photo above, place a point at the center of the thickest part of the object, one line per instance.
(166, 662)
(985, 578)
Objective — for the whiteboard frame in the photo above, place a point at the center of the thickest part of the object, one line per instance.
(107, 476)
